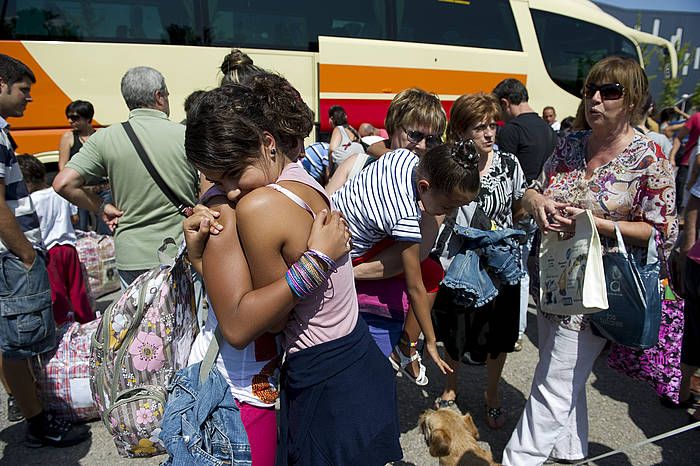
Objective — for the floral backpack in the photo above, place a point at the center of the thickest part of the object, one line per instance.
(143, 339)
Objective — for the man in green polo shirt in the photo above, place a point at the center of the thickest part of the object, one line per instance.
(141, 216)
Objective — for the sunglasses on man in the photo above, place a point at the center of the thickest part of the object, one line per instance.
(609, 91)
(415, 137)
(73, 117)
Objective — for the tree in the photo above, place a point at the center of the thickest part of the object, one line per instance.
(669, 94)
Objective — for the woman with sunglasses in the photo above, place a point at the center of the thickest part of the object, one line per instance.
(623, 177)
(79, 114)
(415, 121)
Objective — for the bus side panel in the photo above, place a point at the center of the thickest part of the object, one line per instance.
(366, 74)
(96, 77)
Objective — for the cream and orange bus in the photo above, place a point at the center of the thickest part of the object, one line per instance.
(356, 54)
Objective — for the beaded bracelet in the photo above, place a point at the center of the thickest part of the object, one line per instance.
(309, 273)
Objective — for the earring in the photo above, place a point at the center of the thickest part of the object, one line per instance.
(273, 151)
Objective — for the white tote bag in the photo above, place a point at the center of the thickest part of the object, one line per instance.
(572, 279)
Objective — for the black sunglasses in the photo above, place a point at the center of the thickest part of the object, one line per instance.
(73, 117)
(610, 91)
(415, 137)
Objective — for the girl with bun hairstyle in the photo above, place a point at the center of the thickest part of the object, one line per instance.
(265, 273)
(491, 329)
(237, 67)
(383, 206)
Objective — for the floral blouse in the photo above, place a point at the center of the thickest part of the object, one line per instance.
(637, 185)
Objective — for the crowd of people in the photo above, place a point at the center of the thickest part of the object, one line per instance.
(430, 227)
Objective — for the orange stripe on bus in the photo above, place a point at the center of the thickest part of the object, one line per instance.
(49, 101)
(391, 80)
(33, 141)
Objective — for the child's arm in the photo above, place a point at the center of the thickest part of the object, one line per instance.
(418, 297)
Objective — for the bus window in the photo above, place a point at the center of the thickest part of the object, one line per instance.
(143, 21)
(570, 47)
(487, 24)
(278, 24)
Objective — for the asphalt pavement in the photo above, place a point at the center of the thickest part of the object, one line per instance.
(621, 411)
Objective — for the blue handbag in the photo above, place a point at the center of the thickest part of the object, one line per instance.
(633, 317)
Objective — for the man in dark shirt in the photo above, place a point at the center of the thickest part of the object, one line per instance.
(525, 134)
(532, 141)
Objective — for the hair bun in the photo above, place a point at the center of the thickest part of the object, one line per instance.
(465, 153)
(235, 59)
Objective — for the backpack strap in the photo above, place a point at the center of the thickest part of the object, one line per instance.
(210, 357)
(184, 209)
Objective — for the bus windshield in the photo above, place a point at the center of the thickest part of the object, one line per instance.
(570, 47)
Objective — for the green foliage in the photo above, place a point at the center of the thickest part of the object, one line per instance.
(695, 98)
(669, 94)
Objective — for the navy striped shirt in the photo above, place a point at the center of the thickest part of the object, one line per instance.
(382, 201)
(315, 162)
(16, 192)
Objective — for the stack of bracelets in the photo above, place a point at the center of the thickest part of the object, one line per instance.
(309, 273)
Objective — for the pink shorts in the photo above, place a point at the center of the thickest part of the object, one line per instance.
(261, 426)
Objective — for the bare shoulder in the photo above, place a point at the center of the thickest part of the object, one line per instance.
(67, 137)
(260, 200)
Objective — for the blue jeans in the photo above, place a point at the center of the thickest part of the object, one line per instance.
(26, 318)
(202, 424)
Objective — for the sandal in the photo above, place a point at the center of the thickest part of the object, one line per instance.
(495, 417)
(404, 361)
(440, 403)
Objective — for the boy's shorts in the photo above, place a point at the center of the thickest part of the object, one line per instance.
(26, 319)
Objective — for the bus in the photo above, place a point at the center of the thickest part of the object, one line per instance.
(358, 56)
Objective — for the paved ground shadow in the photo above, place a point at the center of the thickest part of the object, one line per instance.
(16, 452)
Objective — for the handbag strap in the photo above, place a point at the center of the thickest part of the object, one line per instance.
(210, 357)
(652, 251)
(184, 209)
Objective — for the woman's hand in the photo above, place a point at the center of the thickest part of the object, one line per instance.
(546, 211)
(564, 221)
(330, 235)
(197, 229)
(431, 347)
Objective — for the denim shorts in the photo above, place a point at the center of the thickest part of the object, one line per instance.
(26, 318)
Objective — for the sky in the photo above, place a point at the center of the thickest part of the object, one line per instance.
(665, 5)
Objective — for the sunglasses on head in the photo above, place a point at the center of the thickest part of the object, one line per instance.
(73, 117)
(610, 91)
(415, 137)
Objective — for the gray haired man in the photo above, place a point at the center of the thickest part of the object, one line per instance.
(141, 215)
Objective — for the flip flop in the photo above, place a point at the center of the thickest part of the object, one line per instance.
(404, 361)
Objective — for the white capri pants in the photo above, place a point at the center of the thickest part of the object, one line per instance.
(555, 420)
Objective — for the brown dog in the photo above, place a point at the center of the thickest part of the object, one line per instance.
(453, 438)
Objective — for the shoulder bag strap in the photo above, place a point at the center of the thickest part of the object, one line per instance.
(184, 209)
(210, 357)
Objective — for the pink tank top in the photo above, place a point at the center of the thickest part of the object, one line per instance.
(332, 312)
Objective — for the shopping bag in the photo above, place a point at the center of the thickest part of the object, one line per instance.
(572, 279)
(633, 317)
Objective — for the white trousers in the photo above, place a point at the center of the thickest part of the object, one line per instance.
(555, 420)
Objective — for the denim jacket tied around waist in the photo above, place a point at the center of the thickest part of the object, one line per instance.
(483, 254)
(202, 424)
